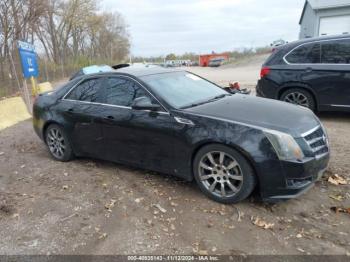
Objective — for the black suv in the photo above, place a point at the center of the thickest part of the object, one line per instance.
(314, 73)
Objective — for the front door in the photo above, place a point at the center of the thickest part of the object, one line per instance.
(138, 137)
(335, 66)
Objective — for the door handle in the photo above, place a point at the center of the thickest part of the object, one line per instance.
(70, 110)
(107, 119)
(308, 70)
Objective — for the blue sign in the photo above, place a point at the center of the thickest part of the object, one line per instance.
(28, 59)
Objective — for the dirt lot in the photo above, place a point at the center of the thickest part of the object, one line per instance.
(94, 207)
(245, 71)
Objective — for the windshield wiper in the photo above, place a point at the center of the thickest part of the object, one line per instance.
(206, 101)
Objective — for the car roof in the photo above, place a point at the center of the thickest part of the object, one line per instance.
(133, 71)
(314, 39)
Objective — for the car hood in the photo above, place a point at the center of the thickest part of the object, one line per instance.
(260, 113)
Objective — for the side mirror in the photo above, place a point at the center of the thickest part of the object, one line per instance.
(144, 103)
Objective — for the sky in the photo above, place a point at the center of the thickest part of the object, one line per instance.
(160, 27)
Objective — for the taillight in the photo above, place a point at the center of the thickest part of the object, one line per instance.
(264, 71)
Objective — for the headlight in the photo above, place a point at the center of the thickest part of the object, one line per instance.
(285, 145)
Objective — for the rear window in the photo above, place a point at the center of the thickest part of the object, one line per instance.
(87, 91)
(275, 56)
(335, 52)
(305, 54)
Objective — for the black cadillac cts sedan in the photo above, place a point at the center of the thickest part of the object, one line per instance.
(178, 123)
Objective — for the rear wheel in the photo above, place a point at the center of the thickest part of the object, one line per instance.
(58, 143)
(299, 97)
(223, 174)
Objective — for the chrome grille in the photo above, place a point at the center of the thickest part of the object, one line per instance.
(317, 141)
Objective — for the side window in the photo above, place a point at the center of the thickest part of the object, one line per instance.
(335, 52)
(87, 91)
(122, 92)
(305, 54)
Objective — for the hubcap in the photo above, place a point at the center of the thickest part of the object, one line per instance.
(297, 98)
(220, 173)
(56, 143)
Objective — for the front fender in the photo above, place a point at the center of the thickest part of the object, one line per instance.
(249, 141)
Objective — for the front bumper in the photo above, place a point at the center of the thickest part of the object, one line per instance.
(295, 179)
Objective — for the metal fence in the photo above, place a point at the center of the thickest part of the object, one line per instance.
(50, 72)
(11, 78)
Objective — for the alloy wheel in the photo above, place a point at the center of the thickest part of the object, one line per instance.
(56, 143)
(220, 174)
(297, 98)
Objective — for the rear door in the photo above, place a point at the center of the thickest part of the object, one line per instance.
(81, 108)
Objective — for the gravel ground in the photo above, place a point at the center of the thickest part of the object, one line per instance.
(95, 207)
(246, 72)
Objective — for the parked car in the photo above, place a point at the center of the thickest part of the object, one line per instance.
(93, 69)
(216, 62)
(278, 42)
(313, 73)
(178, 123)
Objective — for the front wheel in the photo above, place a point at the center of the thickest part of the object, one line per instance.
(223, 174)
(58, 143)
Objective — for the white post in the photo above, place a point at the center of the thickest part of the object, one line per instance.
(27, 97)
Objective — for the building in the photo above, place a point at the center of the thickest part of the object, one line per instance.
(325, 17)
(205, 59)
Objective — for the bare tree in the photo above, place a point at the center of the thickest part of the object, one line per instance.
(69, 32)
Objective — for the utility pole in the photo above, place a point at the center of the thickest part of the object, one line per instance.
(111, 53)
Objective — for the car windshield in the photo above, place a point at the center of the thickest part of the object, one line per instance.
(183, 89)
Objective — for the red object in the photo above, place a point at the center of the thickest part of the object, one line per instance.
(235, 86)
(205, 59)
(34, 98)
(264, 71)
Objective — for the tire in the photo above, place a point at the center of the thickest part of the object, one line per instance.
(300, 97)
(224, 172)
(58, 143)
